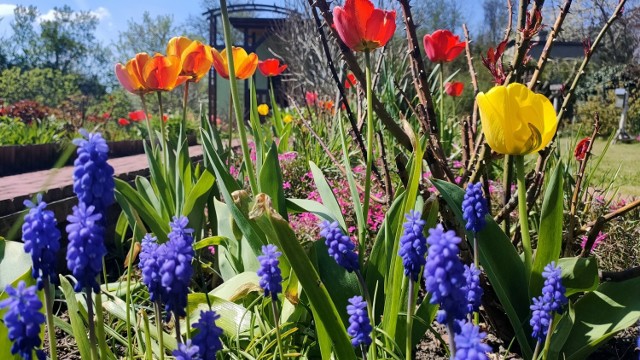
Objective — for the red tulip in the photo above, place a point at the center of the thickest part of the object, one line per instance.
(581, 149)
(442, 46)
(123, 122)
(454, 88)
(311, 97)
(351, 81)
(362, 27)
(106, 115)
(165, 117)
(271, 67)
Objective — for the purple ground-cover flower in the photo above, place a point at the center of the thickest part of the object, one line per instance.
(444, 275)
(176, 269)
(469, 345)
(269, 272)
(413, 245)
(341, 248)
(552, 300)
(472, 288)
(474, 207)
(23, 320)
(208, 337)
(151, 254)
(92, 176)
(86, 246)
(41, 239)
(359, 324)
(187, 351)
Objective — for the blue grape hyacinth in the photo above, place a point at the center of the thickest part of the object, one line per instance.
(469, 345)
(444, 275)
(552, 300)
(151, 255)
(269, 272)
(413, 245)
(176, 269)
(208, 337)
(474, 208)
(341, 248)
(359, 324)
(41, 239)
(472, 288)
(187, 351)
(23, 320)
(92, 176)
(86, 246)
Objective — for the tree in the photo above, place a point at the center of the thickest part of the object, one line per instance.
(150, 36)
(496, 16)
(438, 14)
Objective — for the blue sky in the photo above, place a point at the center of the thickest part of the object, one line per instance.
(114, 14)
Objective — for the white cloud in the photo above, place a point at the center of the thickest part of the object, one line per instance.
(48, 16)
(7, 9)
(101, 13)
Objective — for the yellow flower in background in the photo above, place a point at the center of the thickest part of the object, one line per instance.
(287, 118)
(263, 109)
(515, 120)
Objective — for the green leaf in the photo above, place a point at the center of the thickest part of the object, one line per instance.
(237, 287)
(157, 178)
(147, 213)
(579, 274)
(132, 218)
(502, 264)
(14, 262)
(600, 314)
(234, 318)
(326, 194)
(271, 181)
(209, 241)
(77, 322)
(550, 232)
(303, 205)
(562, 331)
(281, 234)
(194, 205)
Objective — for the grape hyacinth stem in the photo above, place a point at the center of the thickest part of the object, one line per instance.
(452, 343)
(536, 352)
(102, 340)
(92, 326)
(547, 341)
(274, 309)
(177, 321)
(48, 305)
(159, 328)
(522, 212)
(410, 309)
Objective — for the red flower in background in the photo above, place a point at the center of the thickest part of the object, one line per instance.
(123, 122)
(350, 81)
(165, 117)
(311, 97)
(362, 27)
(136, 116)
(581, 149)
(271, 67)
(454, 88)
(442, 46)
(106, 115)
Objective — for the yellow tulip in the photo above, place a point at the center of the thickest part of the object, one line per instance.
(263, 109)
(515, 120)
(244, 64)
(287, 118)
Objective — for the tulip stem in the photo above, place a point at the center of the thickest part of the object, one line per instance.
(183, 131)
(522, 211)
(48, 305)
(442, 116)
(148, 121)
(370, 131)
(162, 127)
(236, 100)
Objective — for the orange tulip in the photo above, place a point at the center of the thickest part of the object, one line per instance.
(162, 73)
(362, 27)
(195, 57)
(244, 64)
(130, 74)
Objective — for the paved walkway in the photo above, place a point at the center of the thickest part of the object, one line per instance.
(16, 188)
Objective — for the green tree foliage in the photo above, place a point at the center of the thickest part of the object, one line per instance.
(46, 86)
(151, 35)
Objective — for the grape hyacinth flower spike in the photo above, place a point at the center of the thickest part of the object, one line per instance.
(151, 255)
(341, 248)
(187, 351)
(472, 289)
(208, 337)
(474, 208)
(551, 301)
(41, 239)
(269, 272)
(92, 176)
(359, 325)
(86, 246)
(413, 245)
(23, 320)
(469, 345)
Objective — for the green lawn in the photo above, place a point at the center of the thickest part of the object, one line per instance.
(620, 164)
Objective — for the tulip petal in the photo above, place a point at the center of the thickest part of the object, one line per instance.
(125, 80)
(550, 121)
(380, 27)
(247, 67)
(161, 72)
(344, 24)
(220, 62)
(177, 45)
(492, 120)
(360, 11)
